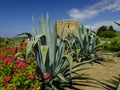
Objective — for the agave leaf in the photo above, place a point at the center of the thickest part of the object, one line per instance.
(42, 26)
(37, 38)
(34, 30)
(117, 23)
(75, 70)
(47, 31)
(118, 87)
(33, 27)
(29, 47)
(59, 54)
(44, 52)
(61, 77)
(59, 67)
(70, 59)
(28, 34)
(54, 43)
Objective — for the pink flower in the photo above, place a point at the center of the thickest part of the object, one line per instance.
(31, 76)
(22, 64)
(14, 88)
(6, 60)
(46, 75)
(7, 78)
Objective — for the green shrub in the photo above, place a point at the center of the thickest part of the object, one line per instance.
(1, 41)
(112, 46)
(106, 32)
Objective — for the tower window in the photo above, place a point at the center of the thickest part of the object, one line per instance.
(68, 26)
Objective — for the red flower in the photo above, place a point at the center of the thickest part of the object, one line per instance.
(17, 60)
(2, 57)
(14, 88)
(7, 78)
(14, 74)
(5, 84)
(46, 75)
(34, 88)
(16, 66)
(22, 64)
(31, 76)
(6, 60)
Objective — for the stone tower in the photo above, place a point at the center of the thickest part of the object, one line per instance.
(70, 26)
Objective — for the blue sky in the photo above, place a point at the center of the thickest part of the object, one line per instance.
(16, 15)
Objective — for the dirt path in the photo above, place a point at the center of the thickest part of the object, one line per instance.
(103, 72)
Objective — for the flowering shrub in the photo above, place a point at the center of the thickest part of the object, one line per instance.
(17, 73)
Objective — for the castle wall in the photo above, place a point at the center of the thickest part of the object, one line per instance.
(70, 26)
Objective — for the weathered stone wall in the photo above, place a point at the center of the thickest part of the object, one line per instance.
(70, 26)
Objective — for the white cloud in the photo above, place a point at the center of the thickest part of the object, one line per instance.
(91, 11)
(77, 14)
(106, 23)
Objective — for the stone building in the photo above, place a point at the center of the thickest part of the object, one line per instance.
(70, 26)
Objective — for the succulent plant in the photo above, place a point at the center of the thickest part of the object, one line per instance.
(55, 70)
(71, 46)
(87, 43)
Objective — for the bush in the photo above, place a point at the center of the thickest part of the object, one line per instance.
(106, 32)
(1, 41)
(112, 46)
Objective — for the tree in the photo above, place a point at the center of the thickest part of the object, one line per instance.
(111, 28)
(106, 32)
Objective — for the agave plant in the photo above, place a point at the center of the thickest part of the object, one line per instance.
(55, 70)
(71, 47)
(87, 43)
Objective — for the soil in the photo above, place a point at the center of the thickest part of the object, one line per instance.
(103, 72)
